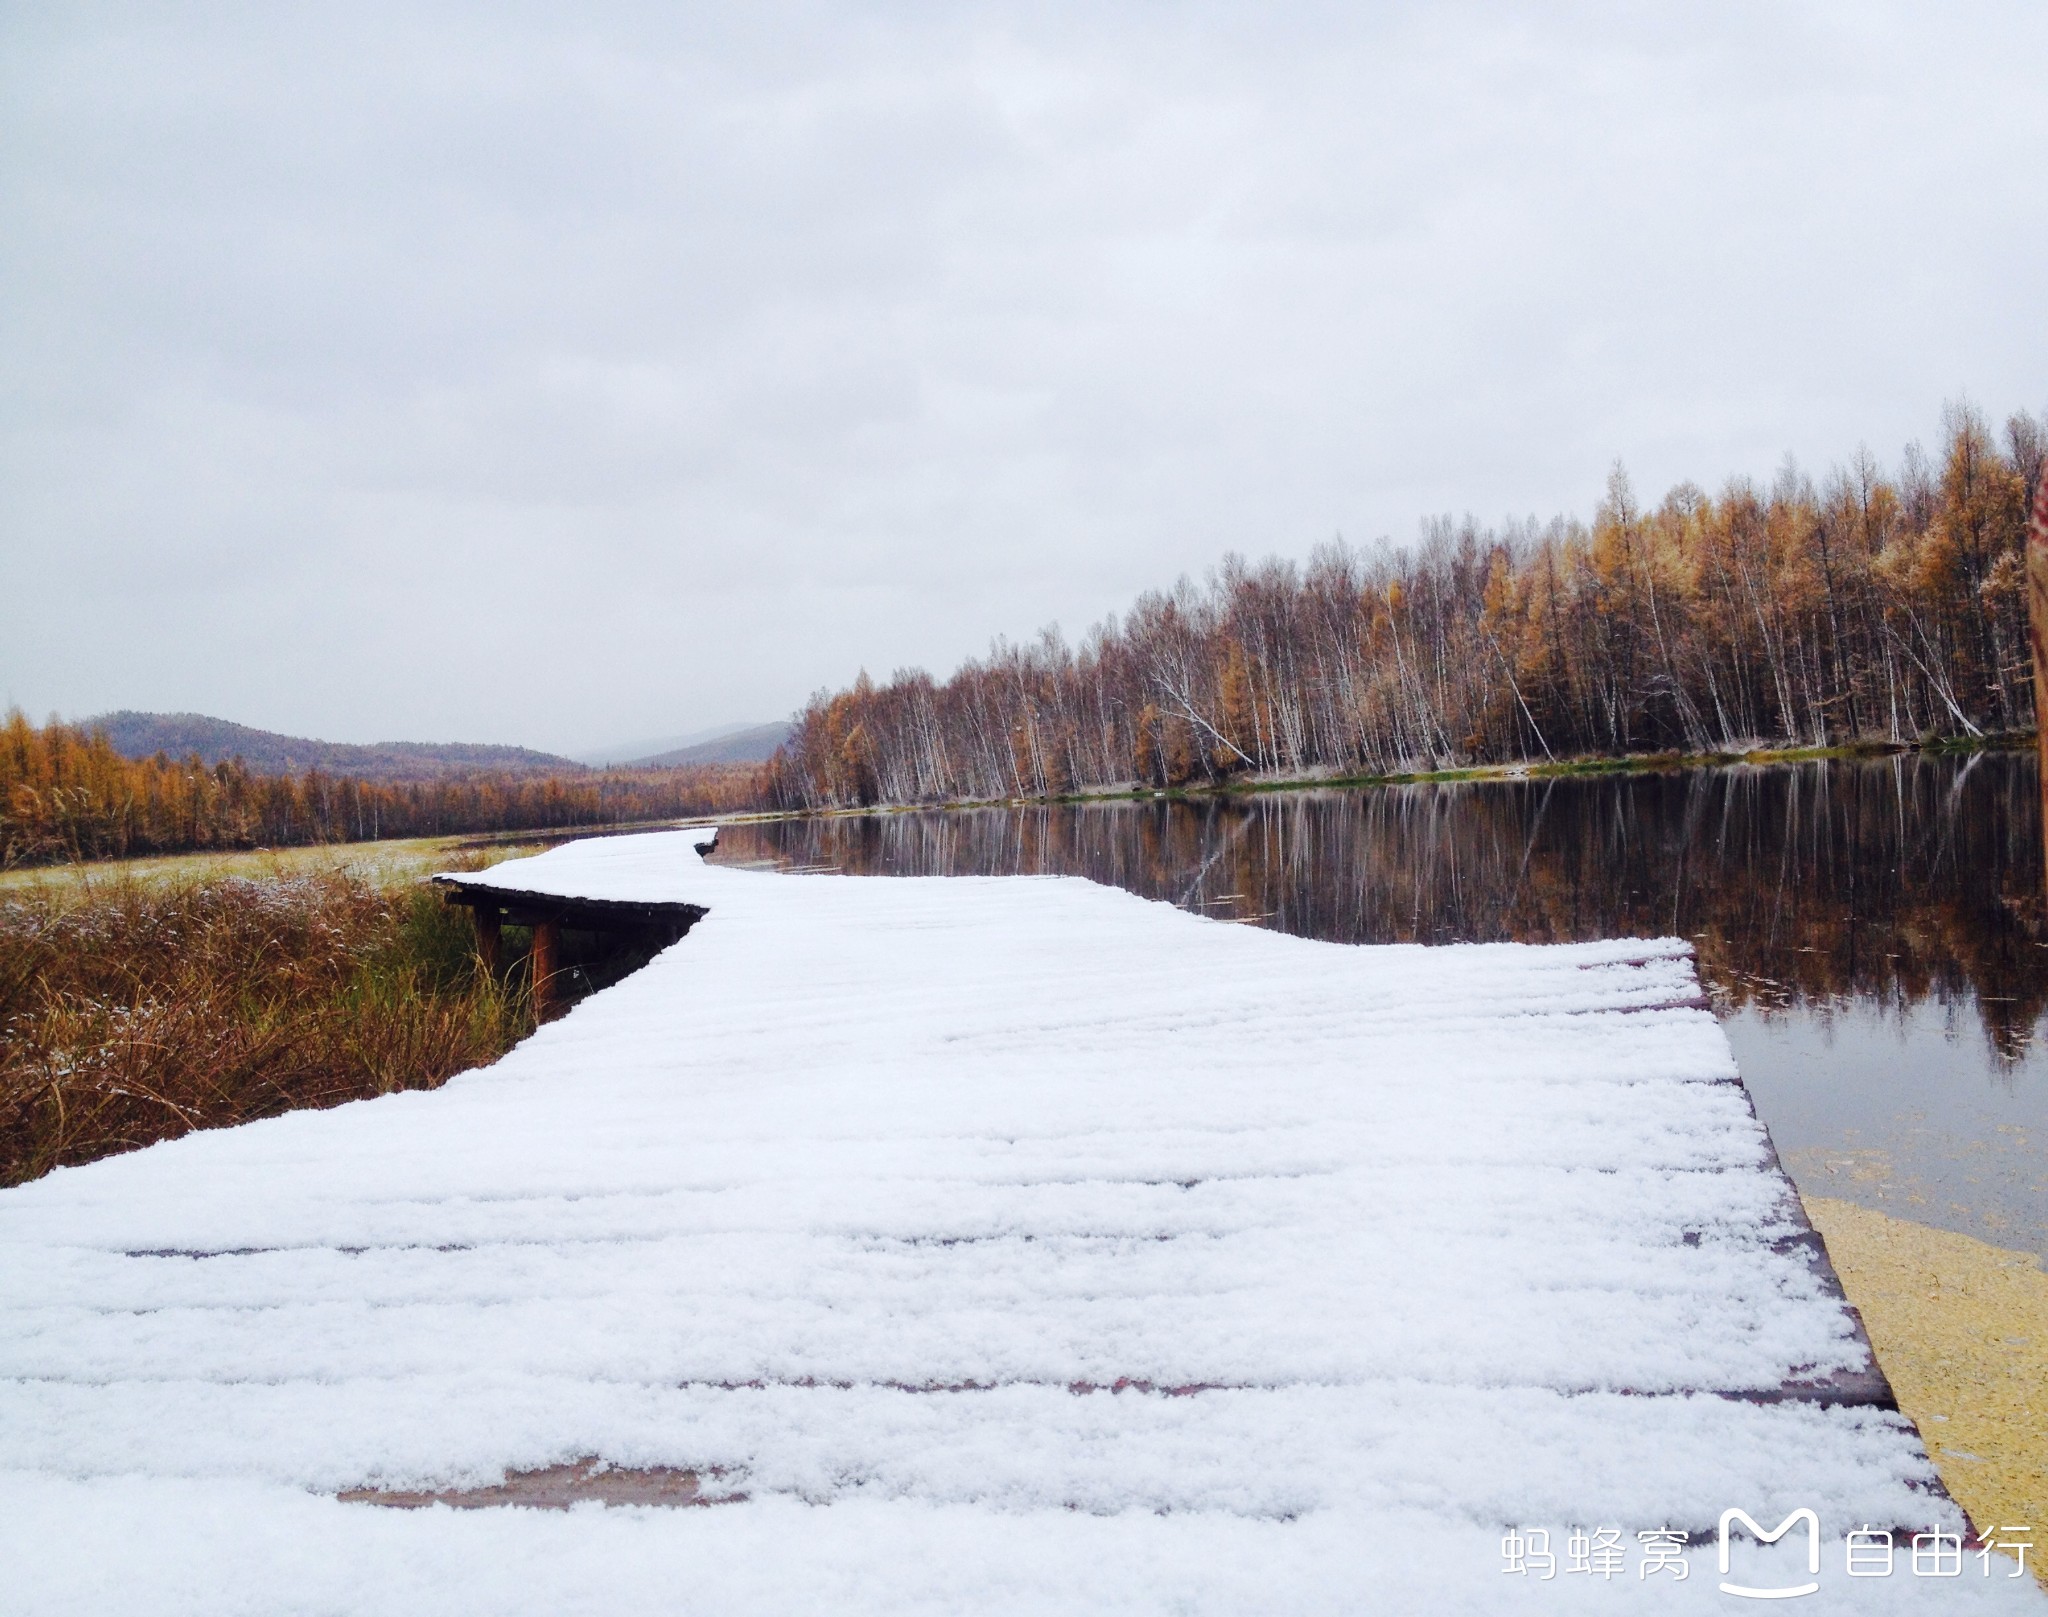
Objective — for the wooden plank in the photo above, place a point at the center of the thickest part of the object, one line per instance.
(543, 965)
(666, 920)
(559, 1487)
(490, 942)
(982, 1207)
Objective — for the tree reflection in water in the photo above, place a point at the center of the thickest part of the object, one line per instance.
(1881, 883)
(1872, 932)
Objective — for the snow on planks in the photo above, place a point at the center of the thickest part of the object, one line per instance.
(991, 1244)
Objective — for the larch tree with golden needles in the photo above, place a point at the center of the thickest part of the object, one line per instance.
(1872, 607)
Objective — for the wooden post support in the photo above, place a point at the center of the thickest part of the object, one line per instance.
(490, 943)
(2037, 632)
(547, 939)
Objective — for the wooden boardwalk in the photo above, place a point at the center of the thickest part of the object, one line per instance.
(973, 1244)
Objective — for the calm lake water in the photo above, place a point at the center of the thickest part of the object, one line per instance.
(1872, 933)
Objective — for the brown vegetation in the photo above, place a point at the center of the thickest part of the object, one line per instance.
(131, 1013)
(1870, 607)
(66, 794)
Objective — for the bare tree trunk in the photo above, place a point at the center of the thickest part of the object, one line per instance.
(2037, 633)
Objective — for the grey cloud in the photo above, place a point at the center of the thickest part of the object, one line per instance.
(718, 351)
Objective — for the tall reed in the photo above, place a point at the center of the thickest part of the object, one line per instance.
(131, 1013)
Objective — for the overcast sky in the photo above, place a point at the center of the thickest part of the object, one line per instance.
(563, 375)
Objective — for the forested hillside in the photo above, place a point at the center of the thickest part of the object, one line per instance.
(217, 741)
(1873, 605)
(65, 793)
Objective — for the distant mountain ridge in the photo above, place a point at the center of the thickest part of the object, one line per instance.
(754, 745)
(727, 744)
(265, 752)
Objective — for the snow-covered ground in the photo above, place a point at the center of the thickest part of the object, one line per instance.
(1009, 1244)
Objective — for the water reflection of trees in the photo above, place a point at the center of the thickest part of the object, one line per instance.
(1892, 881)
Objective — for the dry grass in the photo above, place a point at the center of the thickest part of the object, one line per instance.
(382, 864)
(133, 1011)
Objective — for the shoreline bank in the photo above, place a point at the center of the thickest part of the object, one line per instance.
(1584, 768)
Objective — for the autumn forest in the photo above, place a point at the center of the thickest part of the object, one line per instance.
(66, 794)
(1873, 605)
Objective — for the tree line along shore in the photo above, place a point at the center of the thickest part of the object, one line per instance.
(66, 794)
(1874, 606)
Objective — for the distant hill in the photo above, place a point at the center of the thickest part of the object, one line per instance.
(753, 745)
(629, 752)
(668, 749)
(142, 735)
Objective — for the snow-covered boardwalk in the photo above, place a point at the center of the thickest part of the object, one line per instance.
(994, 1245)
